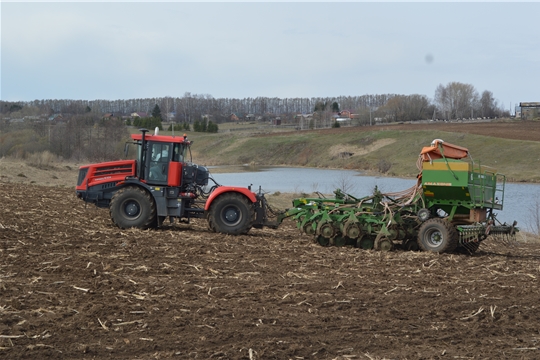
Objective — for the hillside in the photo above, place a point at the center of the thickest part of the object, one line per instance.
(512, 147)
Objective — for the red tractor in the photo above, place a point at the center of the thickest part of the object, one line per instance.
(163, 184)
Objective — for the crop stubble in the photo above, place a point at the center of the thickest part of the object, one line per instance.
(75, 286)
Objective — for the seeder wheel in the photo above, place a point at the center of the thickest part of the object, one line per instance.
(438, 235)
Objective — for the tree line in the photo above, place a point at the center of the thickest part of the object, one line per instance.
(81, 136)
(84, 133)
(452, 101)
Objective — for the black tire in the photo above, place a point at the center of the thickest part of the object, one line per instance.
(133, 207)
(232, 214)
(437, 235)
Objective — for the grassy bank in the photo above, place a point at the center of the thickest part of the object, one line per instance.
(389, 150)
(383, 152)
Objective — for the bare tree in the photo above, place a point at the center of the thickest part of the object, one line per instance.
(456, 100)
(406, 108)
(488, 104)
(346, 182)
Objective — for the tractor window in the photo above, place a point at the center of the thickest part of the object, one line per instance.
(160, 152)
(159, 162)
(179, 153)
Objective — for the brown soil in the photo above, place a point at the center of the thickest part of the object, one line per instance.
(74, 286)
(517, 130)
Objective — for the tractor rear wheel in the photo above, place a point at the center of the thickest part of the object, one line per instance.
(437, 235)
(132, 207)
(231, 214)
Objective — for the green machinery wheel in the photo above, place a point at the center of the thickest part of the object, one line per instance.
(438, 235)
(383, 243)
(323, 241)
(340, 240)
(308, 228)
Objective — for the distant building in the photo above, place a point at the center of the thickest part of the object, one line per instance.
(530, 110)
(56, 117)
(139, 114)
(345, 114)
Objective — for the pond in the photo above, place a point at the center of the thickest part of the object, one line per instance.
(521, 201)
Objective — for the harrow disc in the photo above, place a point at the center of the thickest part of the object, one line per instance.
(353, 231)
(323, 241)
(385, 244)
(340, 241)
(326, 229)
(365, 243)
(308, 228)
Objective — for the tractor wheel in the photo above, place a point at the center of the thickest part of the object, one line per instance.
(132, 207)
(437, 235)
(231, 214)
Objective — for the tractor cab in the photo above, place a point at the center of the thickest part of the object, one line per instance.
(166, 161)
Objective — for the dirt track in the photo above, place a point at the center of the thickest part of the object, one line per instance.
(73, 286)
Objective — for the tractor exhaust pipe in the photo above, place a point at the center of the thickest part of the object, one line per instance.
(142, 159)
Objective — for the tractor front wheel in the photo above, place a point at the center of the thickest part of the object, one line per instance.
(132, 207)
(437, 235)
(231, 214)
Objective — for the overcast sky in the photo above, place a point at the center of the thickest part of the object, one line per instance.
(100, 50)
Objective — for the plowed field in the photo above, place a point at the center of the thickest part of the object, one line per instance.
(73, 286)
(517, 130)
